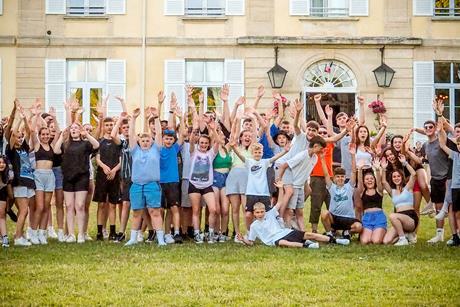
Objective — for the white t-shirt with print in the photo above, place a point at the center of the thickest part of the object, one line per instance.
(201, 174)
(257, 177)
(268, 230)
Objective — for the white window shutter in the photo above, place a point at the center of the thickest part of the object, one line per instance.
(116, 85)
(55, 88)
(1, 106)
(174, 75)
(423, 95)
(234, 77)
(423, 7)
(1, 7)
(234, 7)
(116, 7)
(299, 7)
(55, 7)
(359, 8)
(174, 7)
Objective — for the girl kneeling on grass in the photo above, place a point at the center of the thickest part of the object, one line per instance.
(145, 191)
(405, 219)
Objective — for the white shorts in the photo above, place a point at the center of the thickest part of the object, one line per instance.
(44, 180)
(297, 200)
(22, 191)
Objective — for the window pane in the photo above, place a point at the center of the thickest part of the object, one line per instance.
(94, 99)
(216, 7)
(96, 71)
(214, 71)
(457, 71)
(96, 7)
(194, 7)
(444, 94)
(317, 7)
(195, 71)
(214, 103)
(195, 95)
(76, 71)
(441, 8)
(441, 72)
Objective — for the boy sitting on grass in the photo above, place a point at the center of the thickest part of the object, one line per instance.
(268, 229)
(341, 213)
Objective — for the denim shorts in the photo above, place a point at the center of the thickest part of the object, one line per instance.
(374, 219)
(44, 180)
(145, 195)
(57, 177)
(219, 180)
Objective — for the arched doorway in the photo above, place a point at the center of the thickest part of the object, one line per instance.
(336, 81)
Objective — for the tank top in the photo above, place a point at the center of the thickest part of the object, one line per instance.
(406, 198)
(42, 154)
(372, 201)
(222, 162)
(364, 156)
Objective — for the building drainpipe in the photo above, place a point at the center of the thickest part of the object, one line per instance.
(144, 24)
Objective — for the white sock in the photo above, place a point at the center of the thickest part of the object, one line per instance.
(133, 235)
(196, 232)
(402, 237)
(160, 236)
(440, 231)
(211, 231)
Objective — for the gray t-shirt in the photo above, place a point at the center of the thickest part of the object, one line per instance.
(455, 156)
(341, 200)
(438, 160)
(345, 153)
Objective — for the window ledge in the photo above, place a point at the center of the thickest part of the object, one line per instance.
(204, 18)
(70, 17)
(447, 18)
(307, 18)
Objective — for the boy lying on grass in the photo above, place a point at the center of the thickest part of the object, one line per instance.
(267, 227)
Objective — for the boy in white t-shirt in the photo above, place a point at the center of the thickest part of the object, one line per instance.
(267, 227)
(257, 190)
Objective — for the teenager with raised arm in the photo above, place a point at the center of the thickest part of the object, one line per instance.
(145, 191)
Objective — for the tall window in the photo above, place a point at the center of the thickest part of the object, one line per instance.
(206, 77)
(447, 85)
(205, 7)
(447, 8)
(86, 82)
(329, 8)
(86, 7)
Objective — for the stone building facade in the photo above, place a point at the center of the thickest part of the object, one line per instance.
(133, 48)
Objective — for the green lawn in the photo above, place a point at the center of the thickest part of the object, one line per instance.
(226, 273)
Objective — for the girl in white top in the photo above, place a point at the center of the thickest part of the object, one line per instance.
(405, 218)
(365, 149)
(201, 179)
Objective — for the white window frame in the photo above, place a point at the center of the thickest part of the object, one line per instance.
(326, 9)
(205, 9)
(86, 86)
(453, 12)
(205, 84)
(451, 87)
(87, 9)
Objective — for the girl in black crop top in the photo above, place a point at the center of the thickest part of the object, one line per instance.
(370, 191)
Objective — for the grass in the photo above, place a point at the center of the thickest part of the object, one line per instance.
(101, 273)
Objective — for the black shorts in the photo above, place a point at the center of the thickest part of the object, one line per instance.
(76, 184)
(455, 200)
(438, 190)
(342, 223)
(251, 200)
(125, 185)
(106, 189)
(294, 236)
(3, 193)
(170, 194)
(193, 189)
(412, 214)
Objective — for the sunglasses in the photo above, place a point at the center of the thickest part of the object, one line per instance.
(429, 127)
(322, 132)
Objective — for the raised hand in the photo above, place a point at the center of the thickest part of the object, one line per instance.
(161, 97)
(241, 101)
(361, 100)
(201, 97)
(52, 111)
(317, 98)
(383, 120)
(260, 91)
(277, 96)
(329, 111)
(384, 163)
(350, 125)
(173, 102)
(402, 158)
(376, 163)
(189, 90)
(298, 105)
(136, 113)
(352, 148)
(224, 92)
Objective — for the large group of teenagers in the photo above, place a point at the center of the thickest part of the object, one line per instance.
(187, 173)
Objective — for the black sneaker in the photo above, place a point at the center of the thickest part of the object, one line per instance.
(113, 237)
(150, 238)
(12, 215)
(346, 235)
(178, 239)
(99, 237)
(120, 237)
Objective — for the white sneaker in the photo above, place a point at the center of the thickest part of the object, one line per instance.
(411, 237)
(402, 242)
(33, 237)
(70, 239)
(131, 242)
(105, 234)
(236, 240)
(60, 235)
(88, 237)
(341, 241)
(140, 237)
(439, 237)
(52, 233)
(80, 238)
(21, 242)
(429, 209)
(311, 244)
(450, 242)
(28, 233)
(441, 215)
(222, 238)
(169, 239)
(211, 238)
(42, 237)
